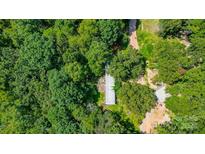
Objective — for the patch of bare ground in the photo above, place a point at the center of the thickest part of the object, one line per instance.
(158, 115)
(101, 84)
(147, 79)
(142, 80)
(133, 34)
(185, 41)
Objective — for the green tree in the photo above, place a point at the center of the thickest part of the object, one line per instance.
(172, 27)
(111, 31)
(111, 123)
(30, 84)
(197, 51)
(63, 93)
(8, 114)
(76, 71)
(171, 59)
(19, 29)
(196, 27)
(76, 66)
(4, 41)
(188, 95)
(61, 31)
(187, 103)
(8, 57)
(98, 55)
(184, 125)
(136, 98)
(48, 75)
(37, 53)
(87, 33)
(127, 64)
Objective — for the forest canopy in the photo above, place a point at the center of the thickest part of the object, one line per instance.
(50, 69)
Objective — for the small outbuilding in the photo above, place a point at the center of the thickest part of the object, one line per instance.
(109, 90)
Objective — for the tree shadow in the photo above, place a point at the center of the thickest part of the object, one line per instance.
(133, 25)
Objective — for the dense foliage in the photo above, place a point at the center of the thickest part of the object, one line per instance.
(187, 89)
(49, 70)
(127, 64)
(170, 59)
(172, 27)
(137, 98)
(48, 75)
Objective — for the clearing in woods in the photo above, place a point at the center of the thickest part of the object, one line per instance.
(159, 114)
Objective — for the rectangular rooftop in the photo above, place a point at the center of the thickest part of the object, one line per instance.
(109, 91)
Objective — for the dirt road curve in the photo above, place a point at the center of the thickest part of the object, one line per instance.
(132, 34)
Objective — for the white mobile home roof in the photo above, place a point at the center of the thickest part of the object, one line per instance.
(109, 91)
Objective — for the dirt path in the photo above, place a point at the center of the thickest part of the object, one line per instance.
(159, 114)
(185, 41)
(133, 34)
(148, 78)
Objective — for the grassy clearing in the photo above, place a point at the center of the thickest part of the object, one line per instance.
(148, 38)
(147, 34)
(149, 25)
(147, 42)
